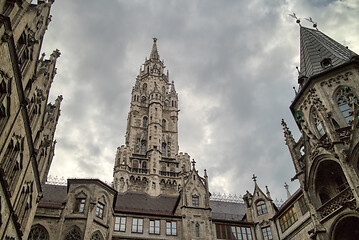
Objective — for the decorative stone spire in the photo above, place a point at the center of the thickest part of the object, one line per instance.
(154, 52)
(289, 140)
(254, 177)
(268, 193)
(173, 89)
(287, 188)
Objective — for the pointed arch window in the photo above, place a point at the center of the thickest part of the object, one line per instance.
(164, 147)
(38, 232)
(318, 124)
(345, 99)
(143, 147)
(164, 124)
(96, 236)
(197, 229)
(261, 207)
(74, 234)
(145, 121)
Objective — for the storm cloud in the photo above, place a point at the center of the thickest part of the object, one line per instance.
(233, 63)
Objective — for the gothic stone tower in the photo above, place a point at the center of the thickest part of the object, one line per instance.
(326, 155)
(149, 162)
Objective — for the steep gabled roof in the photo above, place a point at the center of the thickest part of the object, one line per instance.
(315, 46)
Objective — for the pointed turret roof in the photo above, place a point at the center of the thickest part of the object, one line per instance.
(318, 52)
(154, 52)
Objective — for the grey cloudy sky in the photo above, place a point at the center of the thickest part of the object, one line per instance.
(233, 63)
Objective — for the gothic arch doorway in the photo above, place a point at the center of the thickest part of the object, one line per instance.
(346, 229)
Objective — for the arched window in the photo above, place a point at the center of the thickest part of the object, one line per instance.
(144, 165)
(96, 236)
(163, 149)
(74, 234)
(318, 124)
(144, 121)
(345, 98)
(261, 207)
(38, 232)
(197, 229)
(163, 124)
(135, 164)
(143, 147)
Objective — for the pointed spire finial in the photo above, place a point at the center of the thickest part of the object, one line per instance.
(315, 25)
(268, 193)
(295, 16)
(205, 173)
(154, 52)
(287, 188)
(287, 133)
(254, 177)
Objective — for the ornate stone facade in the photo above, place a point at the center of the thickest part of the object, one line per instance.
(27, 120)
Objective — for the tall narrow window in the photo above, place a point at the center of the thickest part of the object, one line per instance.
(345, 98)
(195, 201)
(154, 227)
(143, 147)
(197, 230)
(137, 225)
(318, 124)
(261, 207)
(164, 124)
(144, 121)
(99, 210)
(163, 149)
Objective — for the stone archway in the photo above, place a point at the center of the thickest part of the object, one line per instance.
(347, 229)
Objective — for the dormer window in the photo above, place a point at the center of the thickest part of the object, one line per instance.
(261, 207)
(326, 62)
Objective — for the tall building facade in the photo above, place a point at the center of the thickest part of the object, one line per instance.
(149, 161)
(27, 120)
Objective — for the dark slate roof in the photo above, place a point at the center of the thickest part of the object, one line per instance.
(143, 203)
(316, 46)
(227, 211)
(53, 195)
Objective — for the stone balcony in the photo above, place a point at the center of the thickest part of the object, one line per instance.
(336, 203)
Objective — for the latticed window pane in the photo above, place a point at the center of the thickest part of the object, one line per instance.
(99, 210)
(288, 219)
(38, 232)
(261, 208)
(74, 234)
(267, 234)
(345, 98)
(96, 236)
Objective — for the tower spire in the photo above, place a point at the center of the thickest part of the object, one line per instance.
(154, 52)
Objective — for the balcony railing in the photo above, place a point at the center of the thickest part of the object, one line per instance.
(139, 170)
(169, 174)
(336, 203)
